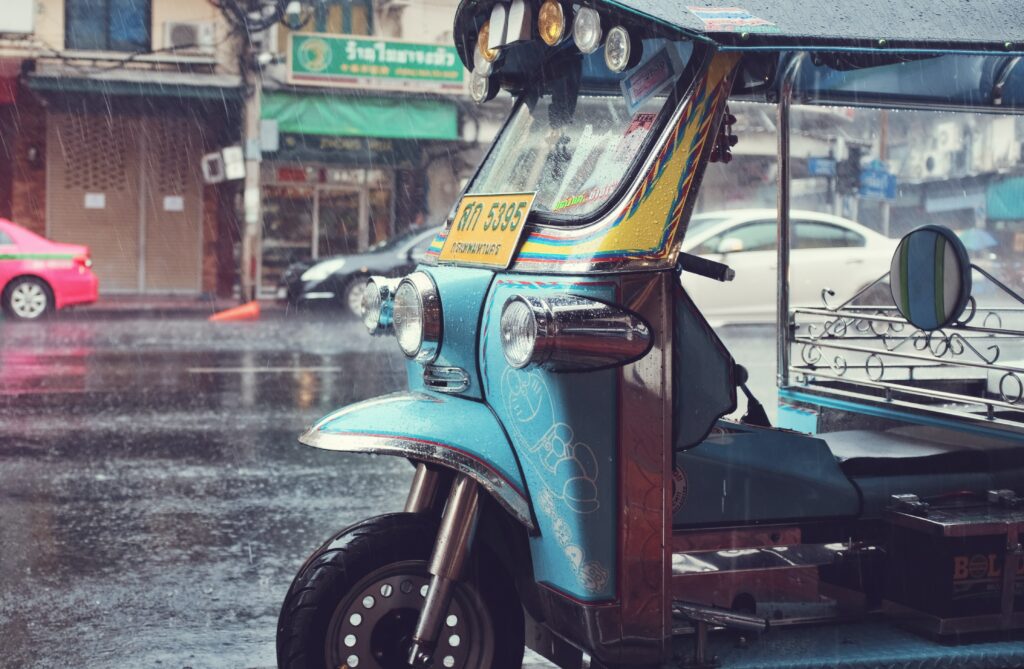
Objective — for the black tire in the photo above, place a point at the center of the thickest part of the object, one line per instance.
(315, 629)
(347, 295)
(27, 299)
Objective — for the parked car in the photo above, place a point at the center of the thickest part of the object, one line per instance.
(338, 280)
(827, 252)
(39, 276)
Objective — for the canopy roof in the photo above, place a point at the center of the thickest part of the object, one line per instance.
(931, 26)
(941, 25)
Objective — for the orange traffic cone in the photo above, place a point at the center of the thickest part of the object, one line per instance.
(249, 311)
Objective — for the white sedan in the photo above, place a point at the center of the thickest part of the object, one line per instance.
(827, 252)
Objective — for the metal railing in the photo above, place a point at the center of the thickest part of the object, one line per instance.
(975, 366)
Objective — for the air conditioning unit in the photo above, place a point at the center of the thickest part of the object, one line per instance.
(190, 37)
(948, 137)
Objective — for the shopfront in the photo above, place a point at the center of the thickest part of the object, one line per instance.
(314, 210)
(120, 152)
(350, 166)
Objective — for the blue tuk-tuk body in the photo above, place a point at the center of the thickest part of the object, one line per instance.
(598, 479)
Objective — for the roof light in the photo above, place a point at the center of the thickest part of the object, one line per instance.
(551, 22)
(480, 64)
(481, 88)
(490, 55)
(586, 30)
(621, 50)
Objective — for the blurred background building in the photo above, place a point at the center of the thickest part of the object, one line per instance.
(359, 128)
(107, 108)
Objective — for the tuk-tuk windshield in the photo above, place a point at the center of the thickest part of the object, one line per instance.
(574, 139)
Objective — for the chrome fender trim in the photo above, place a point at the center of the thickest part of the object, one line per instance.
(439, 421)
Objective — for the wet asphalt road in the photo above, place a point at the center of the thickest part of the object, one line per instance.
(154, 501)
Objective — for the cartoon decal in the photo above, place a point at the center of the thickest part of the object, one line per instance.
(679, 488)
(567, 468)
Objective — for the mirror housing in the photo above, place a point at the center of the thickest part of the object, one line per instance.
(730, 245)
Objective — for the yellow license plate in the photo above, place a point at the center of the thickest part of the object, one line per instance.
(486, 230)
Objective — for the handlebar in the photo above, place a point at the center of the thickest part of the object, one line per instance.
(704, 267)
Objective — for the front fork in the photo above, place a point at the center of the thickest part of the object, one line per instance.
(458, 523)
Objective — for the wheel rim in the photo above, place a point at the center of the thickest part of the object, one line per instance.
(372, 626)
(28, 300)
(354, 298)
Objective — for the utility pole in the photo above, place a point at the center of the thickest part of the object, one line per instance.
(252, 200)
(883, 155)
(249, 20)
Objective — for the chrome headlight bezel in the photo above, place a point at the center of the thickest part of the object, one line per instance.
(377, 303)
(536, 311)
(431, 319)
(573, 333)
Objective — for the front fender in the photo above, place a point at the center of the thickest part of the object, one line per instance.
(453, 432)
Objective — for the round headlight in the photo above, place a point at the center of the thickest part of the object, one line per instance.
(376, 304)
(416, 315)
(490, 55)
(370, 306)
(551, 22)
(621, 51)
(518, 333)
(482, 88)
(586, 30)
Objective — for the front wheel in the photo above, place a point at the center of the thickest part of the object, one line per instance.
(356, 601)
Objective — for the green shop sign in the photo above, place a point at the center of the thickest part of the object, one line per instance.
(360, 62)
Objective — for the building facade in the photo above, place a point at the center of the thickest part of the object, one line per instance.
(368, 106)
(108, 106)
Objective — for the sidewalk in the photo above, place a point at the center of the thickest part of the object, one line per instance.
(160, 306)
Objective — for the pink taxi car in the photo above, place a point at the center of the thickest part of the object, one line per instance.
(38, 276)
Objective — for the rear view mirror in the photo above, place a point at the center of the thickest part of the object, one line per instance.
(730, 245)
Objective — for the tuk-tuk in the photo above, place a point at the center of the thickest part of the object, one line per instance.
(577, 487)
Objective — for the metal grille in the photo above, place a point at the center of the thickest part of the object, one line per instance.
(94, 153)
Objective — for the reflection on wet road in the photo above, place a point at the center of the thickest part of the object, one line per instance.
(154, 502)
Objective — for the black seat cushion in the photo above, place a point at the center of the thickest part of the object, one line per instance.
(919, 449)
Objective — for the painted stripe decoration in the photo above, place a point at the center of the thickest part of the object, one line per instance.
(930, 277)
(36, 256)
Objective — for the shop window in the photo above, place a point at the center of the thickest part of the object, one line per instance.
(333, 17)
(346, 17)
(107, 25)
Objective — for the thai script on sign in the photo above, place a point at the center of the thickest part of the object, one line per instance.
(352, 61)
(396, 54)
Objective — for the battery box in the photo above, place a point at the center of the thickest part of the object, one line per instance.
(956, 567)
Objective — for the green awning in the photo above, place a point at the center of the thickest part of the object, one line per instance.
(352, 116)
(1006, 200)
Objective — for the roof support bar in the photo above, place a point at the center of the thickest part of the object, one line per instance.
(1002, 78)
(784, 228)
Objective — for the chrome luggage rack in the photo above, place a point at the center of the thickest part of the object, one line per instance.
(972, 369)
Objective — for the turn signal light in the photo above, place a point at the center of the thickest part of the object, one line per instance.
(551, 22)
(565, 333)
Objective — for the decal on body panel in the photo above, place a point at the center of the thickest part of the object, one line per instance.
(567, 468)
